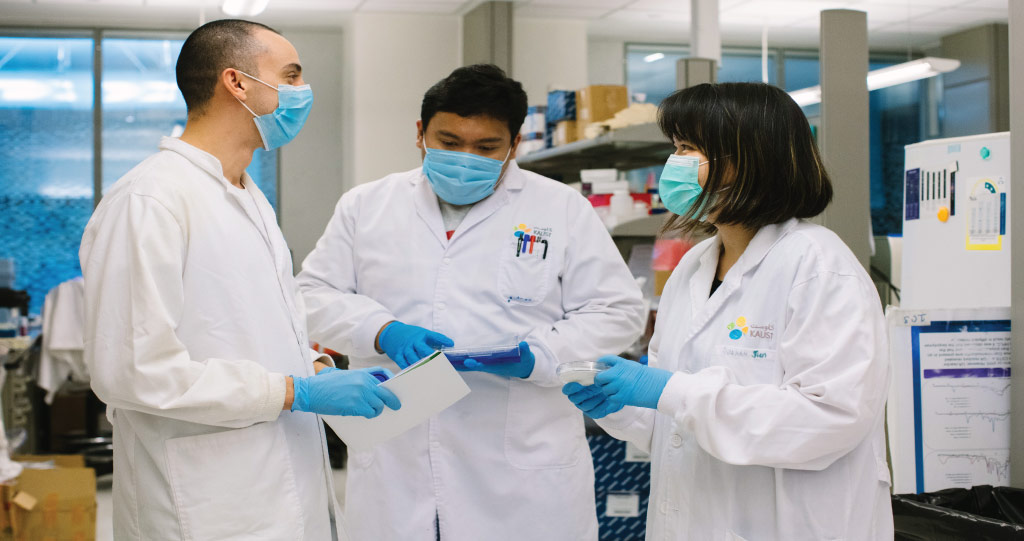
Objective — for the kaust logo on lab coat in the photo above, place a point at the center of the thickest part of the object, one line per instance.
(740, 328)
(532, 241)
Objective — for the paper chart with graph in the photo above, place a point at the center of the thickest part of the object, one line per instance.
(960, 375)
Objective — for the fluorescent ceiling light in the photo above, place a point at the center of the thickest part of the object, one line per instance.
(654, 57)
(906, 72)
(244, 8)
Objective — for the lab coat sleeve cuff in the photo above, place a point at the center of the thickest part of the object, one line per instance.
(274, 403)
(366, 334)
(544, 365)
(673, 397)
(622, 419)
(322, 357)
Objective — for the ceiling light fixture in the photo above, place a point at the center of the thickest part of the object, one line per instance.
(244, 8)
(906, 72)
(654, 57)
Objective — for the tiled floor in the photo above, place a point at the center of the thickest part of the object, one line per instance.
(105, 505)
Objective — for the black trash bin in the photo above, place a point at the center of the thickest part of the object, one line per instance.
(981, 513)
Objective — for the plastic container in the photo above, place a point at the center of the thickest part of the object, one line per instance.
(502, 354)
(381, 375)
(582, 372)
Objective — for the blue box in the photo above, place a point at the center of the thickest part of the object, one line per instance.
(561, 106)
(613, 474)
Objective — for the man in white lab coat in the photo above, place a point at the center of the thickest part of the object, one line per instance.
(469, 249)
(195, 330)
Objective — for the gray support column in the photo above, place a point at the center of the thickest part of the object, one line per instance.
(695, 71)
(843, 138)
(705, 32)
(1017, 241)
(487, 35)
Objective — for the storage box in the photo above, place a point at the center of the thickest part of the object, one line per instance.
(57, 504)
(565, 132)
(598, 102)
(561, 106)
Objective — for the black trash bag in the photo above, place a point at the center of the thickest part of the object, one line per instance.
(980, 513)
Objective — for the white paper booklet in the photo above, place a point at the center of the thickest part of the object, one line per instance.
(425, 389)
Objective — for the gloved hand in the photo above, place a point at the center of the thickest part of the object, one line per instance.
(590, 400)
(518, 369)
(406, 344)
(631, 383)
(343, 392)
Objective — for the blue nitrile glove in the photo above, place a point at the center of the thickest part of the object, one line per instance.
(590, 400)
(406, 344)
(632, 383)
(520, 369)
(343, 392)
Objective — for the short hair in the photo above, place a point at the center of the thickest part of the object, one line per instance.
(480, 89)
(211, 49)
(757, 137)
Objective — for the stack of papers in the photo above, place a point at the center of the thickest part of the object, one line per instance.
(425, 389)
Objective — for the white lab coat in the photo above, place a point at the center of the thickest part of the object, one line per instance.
(778, 434)
(63, 353)
(193, 320)
(510, 460)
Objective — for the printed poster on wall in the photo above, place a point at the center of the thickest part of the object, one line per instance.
(949, 408)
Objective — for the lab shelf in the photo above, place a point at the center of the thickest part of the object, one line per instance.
(645, 226)
(631, 147)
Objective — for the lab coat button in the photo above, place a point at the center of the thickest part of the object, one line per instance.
(677, 440)
(447, 261)
(440, 306)
(663, 508)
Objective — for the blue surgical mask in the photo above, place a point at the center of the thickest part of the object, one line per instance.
(280, 127)
(461, 178)
(678, 187)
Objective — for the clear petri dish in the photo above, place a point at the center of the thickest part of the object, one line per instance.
(581, 372)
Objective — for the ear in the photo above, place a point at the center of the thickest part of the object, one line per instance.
(515, 144)
(234, 83)
(419, 135)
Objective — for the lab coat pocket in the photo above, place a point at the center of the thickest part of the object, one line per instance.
(235, 481)
(524, 273)
(540, 432)
(751, 366)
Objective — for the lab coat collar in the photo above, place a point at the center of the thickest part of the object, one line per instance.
(703, 308)
(203, 160)
(261, 215)
(429, 209)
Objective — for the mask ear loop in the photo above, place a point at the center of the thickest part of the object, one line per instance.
(504, 166)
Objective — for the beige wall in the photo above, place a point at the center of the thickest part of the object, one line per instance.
(548, 54)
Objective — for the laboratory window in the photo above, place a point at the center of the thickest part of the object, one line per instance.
(48, 180)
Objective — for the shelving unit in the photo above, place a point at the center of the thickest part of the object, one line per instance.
(631, 147)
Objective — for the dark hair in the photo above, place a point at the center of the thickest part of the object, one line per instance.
(764, 166)
(211, 49)
(480, 89)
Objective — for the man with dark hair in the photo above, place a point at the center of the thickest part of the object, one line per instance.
(471, 251)
(195, 329)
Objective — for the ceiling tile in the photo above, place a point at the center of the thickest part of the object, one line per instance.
(582, 4)
(682, 17)
(559, 12)
(440, 8)
(93, 2)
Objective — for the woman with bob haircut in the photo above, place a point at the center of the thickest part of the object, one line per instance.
(762, 405)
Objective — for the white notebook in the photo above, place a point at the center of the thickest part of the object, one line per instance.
(425, 388)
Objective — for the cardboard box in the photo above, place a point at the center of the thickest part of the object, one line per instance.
(56, 504)
(565, 132)
(598, 102)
